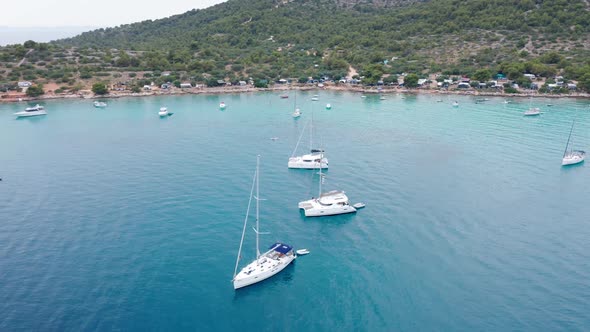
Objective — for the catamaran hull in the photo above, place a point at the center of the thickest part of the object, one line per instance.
(240, 282)
(301, 164)
(312, 209)
(314, 212)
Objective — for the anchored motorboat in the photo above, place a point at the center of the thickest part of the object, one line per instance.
(31, 111)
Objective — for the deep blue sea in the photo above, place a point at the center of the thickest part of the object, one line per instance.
(115, 219)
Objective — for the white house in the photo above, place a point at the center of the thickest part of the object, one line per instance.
(185, 85)
(147, 88)
(242, 83)
(463, 85)
(530, 76)
(24, 84)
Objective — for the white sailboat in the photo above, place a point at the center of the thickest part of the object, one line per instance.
(163, 112)
(327, 204)
(532, 111)
(266, 265)
(571, 156)
(297, 113)
(314, 160)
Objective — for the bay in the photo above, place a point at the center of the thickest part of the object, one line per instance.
(115, 219)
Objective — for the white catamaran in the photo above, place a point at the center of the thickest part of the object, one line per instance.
(571, 156)
(328, 204)
(266, 265)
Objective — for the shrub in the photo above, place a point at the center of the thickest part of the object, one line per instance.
(100, 88)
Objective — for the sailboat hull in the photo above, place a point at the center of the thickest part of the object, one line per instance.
(573, 158)
(256, 272)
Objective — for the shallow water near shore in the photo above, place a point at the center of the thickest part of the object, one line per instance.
(115, 219)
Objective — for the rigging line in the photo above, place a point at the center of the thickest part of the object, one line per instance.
(298, 141)
(245, 223)
(568, 139)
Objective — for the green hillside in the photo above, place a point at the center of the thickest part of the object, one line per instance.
(444, 34)
(301, 38)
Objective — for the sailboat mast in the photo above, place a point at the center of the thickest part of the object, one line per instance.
(569, 137)
(321, 179)
(245, 224)
(257, 205)
(311, 130)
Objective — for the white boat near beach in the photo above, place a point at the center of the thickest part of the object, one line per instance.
(297, 113)
(163, 112)
(274, 260)
(532, 111)
(31, 111)
(100, 104)
(222, 105)
(328, 106)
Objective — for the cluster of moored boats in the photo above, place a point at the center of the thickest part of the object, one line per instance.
(40, 110)
(279, 254)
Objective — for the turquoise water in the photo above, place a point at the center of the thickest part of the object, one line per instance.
(115, 219)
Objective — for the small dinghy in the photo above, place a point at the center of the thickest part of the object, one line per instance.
(274, 138)
(302, 252)
(328, 106)
(359, 205)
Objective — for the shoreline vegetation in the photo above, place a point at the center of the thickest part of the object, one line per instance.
(446, 47)
(87, 94)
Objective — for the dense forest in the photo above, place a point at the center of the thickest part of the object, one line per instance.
(270, 39)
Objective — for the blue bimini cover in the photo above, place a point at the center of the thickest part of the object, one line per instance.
(281, 247)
